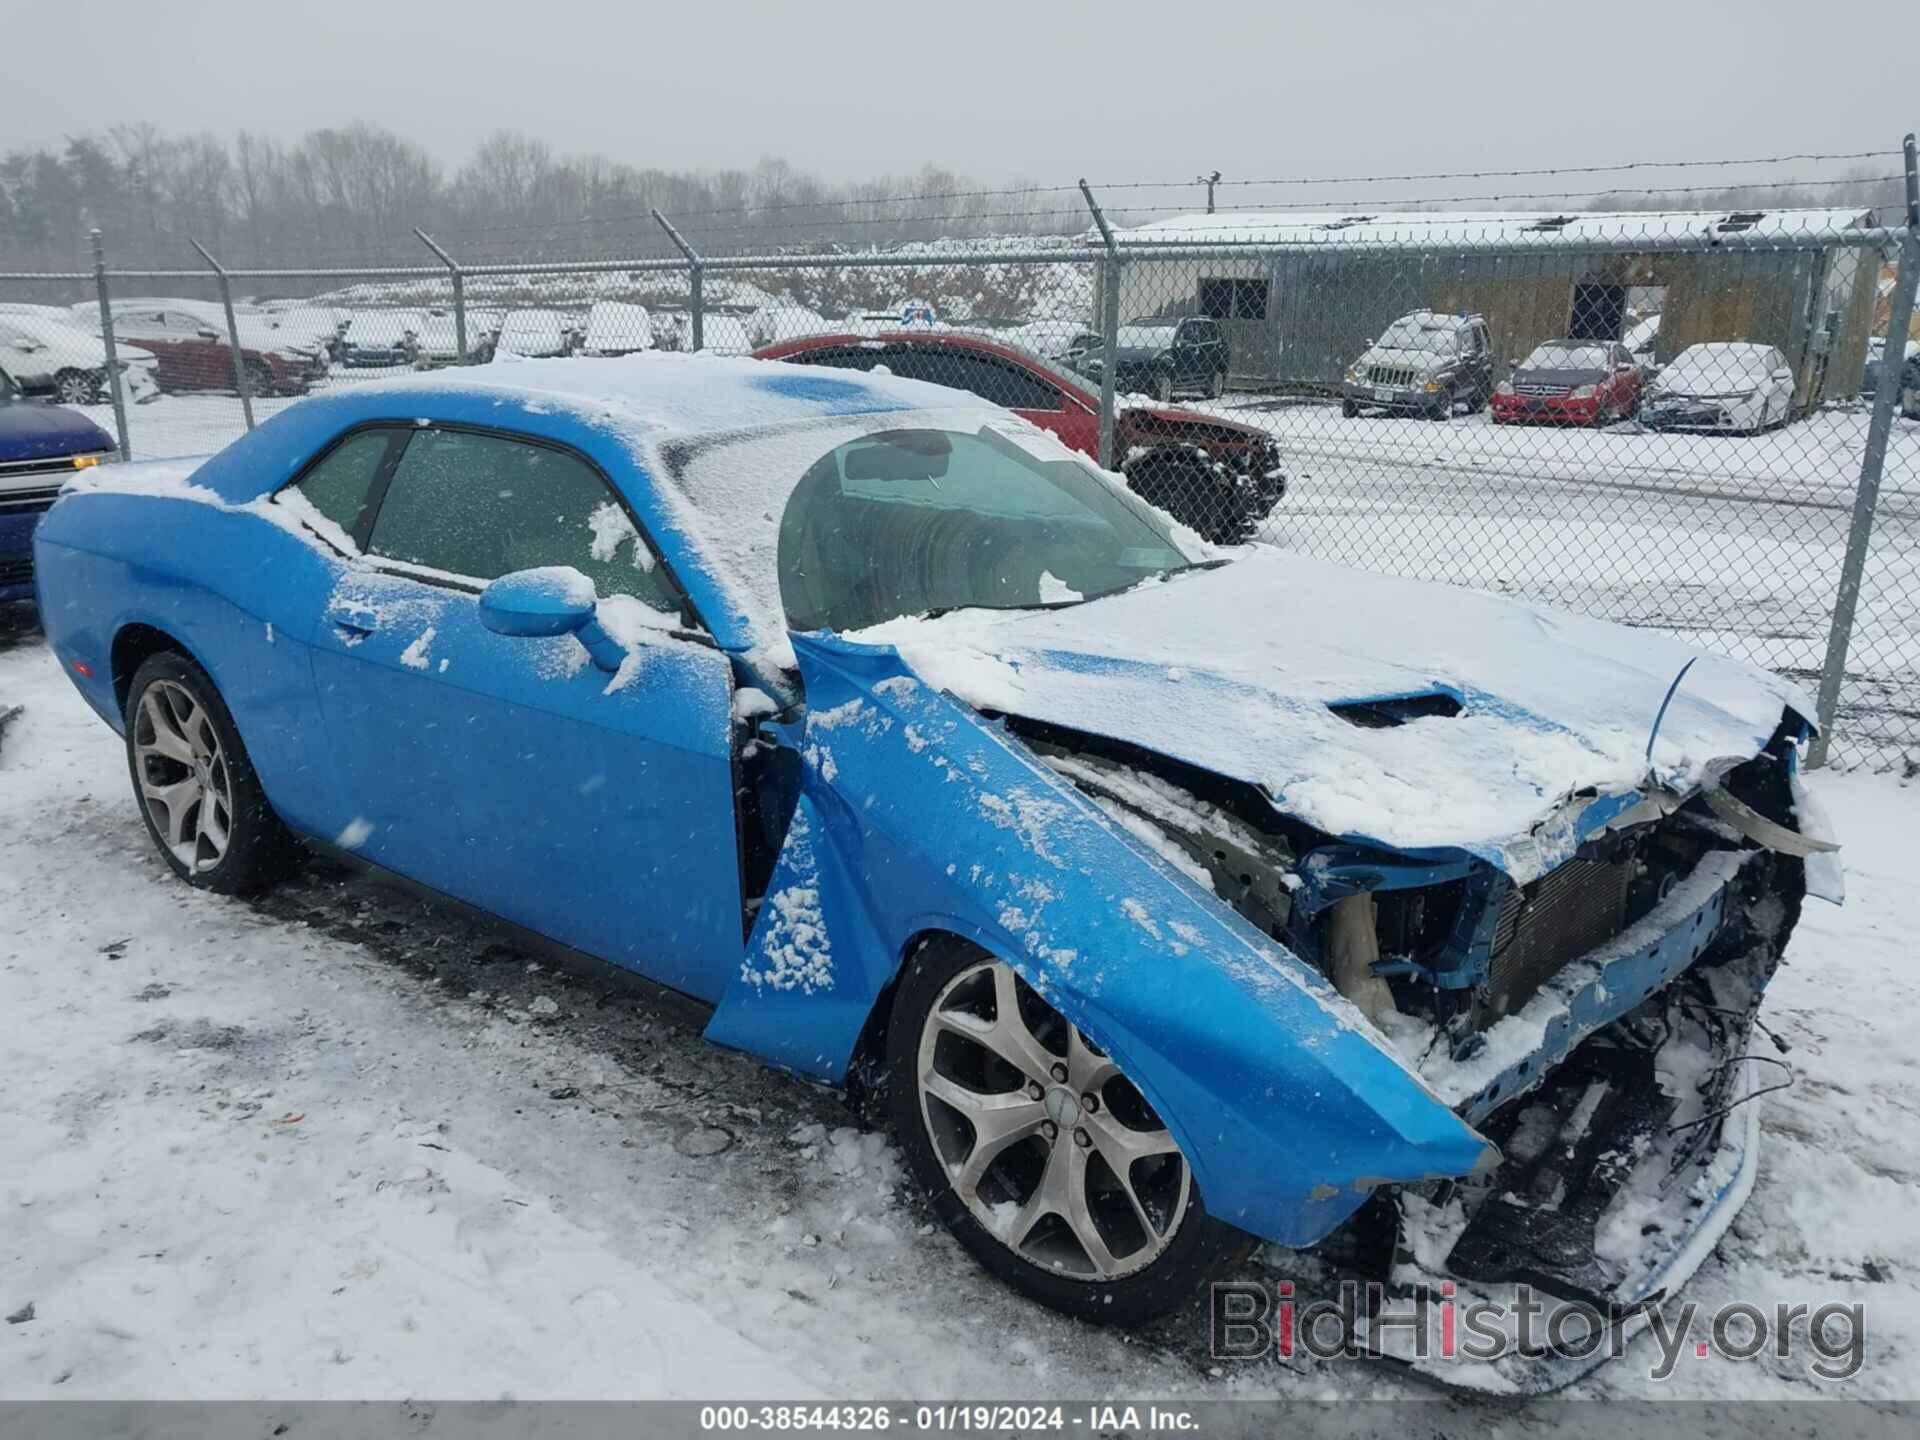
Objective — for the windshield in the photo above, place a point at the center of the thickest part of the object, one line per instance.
(1147, 334)
(912, 522)
(381, 327)
(1728, 366)
(1559, 355)
(531, 325)
(1413, 334)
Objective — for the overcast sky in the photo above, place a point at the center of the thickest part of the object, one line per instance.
(1042, 89)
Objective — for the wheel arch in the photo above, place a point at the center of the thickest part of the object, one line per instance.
(136, 642)
(866, 1068)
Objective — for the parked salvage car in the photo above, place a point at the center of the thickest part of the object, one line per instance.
(1876, 352)
(1734, 387)
(1570, 382)
(534, 334)
(57, 360)
(42, 446)
(1218, 476)
(1425, 363)
(1162, 356)
(437, 341)
(382, 339)
(885, 725)
(192, 351)
(615, 327)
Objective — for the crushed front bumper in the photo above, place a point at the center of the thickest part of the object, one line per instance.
(1631, 1147)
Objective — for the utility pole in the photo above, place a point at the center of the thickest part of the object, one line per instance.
(1209, 181)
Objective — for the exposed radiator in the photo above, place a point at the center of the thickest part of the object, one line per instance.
(1559, 917)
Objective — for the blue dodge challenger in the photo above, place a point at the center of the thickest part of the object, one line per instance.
(1165, 898)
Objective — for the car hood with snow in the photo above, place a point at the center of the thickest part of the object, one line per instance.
(1408, 714)
(1419, 359)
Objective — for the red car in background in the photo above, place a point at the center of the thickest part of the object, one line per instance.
(1218, 476)
(192, 351)
(1571, 382)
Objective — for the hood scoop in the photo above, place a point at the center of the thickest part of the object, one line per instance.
(1386, 711)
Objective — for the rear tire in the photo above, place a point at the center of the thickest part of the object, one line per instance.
(1349, 409)
(1163, 388)
(195, 785)
(259, 378)
(1216, 384)
(1105, 1266)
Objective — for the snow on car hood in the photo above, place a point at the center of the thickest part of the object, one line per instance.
(1236, 669)
(1396, 358)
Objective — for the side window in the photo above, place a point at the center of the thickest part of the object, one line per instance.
(840, 357)
(481, 506)
(340, 484)
(988, 376)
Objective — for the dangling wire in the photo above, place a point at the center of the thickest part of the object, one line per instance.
(1733, 1105)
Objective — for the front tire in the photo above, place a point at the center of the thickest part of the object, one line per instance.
(76, 387)
(195, 785)
(1039, 1155)
(1216, 384)
(1163, 387)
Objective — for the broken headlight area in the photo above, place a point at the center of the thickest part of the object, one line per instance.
(1439, 950)
(1191, 819)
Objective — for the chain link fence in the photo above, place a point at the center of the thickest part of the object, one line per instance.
(1706, 423)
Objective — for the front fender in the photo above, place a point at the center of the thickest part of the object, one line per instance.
(916, 814)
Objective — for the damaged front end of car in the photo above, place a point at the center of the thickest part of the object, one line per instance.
(1594, 1022)
(1535, 1056)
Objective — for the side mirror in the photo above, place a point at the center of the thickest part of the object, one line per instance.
(552, 600)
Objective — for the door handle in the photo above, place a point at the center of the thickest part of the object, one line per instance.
(354, 621)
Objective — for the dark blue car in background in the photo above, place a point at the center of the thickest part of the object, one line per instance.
(40, 447)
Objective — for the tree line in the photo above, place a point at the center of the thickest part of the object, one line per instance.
(352, 196)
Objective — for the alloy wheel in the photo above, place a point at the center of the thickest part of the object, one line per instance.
(183, 777)
(73, 388)
(1051, 1149)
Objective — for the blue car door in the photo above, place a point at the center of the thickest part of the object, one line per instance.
(512, 773)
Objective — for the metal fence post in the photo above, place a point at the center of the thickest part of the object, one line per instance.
(1867, 497)
(696, 278)
(459, 295)
(114, 387)
(241, 380)
(1109, 327)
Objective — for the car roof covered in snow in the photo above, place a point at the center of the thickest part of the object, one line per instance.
(1425, 227)
(633, 403)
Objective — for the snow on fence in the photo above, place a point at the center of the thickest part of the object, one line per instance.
(1687, 421)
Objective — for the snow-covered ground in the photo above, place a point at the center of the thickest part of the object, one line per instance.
(338, 1143)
